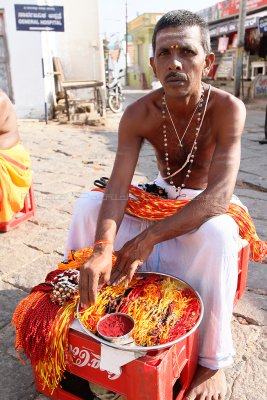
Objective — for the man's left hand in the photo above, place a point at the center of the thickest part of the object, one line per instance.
(131, 256)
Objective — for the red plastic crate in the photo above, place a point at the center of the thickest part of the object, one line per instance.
(243, 258)
(149, 377)
(27, 212)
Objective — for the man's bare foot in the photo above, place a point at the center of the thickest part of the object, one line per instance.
(207, 384)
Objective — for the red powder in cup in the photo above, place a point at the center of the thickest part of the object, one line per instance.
(115, 325)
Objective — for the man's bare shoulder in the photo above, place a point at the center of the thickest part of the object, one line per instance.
(5, 103)
(227, 112)
(7, 112)
(144, 112)
(8, 123)
(225, 101)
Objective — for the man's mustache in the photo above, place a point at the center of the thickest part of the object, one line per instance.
(176, 75)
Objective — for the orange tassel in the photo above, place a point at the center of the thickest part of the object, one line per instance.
(22, 308)
(51, 368)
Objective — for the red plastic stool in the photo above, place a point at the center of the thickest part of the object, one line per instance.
(149, 377)
(27, 212)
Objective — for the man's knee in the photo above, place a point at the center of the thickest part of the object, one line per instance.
(221, 228)
(88, 204)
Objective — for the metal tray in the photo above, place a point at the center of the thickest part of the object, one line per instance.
(133, 347)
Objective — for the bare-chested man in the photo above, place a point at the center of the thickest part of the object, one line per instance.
(195, 130)
(15, 174)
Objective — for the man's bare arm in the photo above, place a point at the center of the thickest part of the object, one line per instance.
(213, 201)
(8, 123)
(96, 271)
(117, 191)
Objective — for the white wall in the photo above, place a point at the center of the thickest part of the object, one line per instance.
(79, 48)
(25, 55)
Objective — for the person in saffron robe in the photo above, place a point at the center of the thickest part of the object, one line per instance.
(195, 130)
(15, 173)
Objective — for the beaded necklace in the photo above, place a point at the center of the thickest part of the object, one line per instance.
(191, 154)
(192, 116)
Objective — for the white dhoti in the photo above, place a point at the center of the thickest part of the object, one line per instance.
(206, 258)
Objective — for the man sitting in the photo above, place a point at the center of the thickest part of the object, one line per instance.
(195, 130)
(15, 174)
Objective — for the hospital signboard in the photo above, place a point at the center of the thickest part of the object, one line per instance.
(39, 18)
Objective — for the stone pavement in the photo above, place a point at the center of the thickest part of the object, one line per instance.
(66, 159)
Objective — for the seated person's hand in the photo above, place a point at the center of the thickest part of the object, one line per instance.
(131, 256)
(94, 274)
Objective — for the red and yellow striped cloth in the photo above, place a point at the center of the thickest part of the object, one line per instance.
(148, 206)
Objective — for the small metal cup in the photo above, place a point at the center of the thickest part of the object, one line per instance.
(124, 339)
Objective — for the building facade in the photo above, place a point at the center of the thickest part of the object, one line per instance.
(70, 31)
(223, 23)
(140, 75)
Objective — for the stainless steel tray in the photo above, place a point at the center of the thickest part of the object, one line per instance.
(133, 346)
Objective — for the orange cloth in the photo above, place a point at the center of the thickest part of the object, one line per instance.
(15, 180)
(148, 206)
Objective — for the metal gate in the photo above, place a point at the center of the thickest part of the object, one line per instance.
(5, 82)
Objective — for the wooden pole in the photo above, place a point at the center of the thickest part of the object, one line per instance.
(240, 48)
(264, 141)
(45, 100)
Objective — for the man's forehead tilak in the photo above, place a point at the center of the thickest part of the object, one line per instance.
(176, 38)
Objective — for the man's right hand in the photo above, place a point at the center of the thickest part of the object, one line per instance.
(94, 274)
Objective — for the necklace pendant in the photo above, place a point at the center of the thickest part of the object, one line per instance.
(181, 145)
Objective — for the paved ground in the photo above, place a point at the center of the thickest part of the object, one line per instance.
(66, 159)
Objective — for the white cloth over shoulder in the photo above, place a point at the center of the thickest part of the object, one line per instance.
(206, 258)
